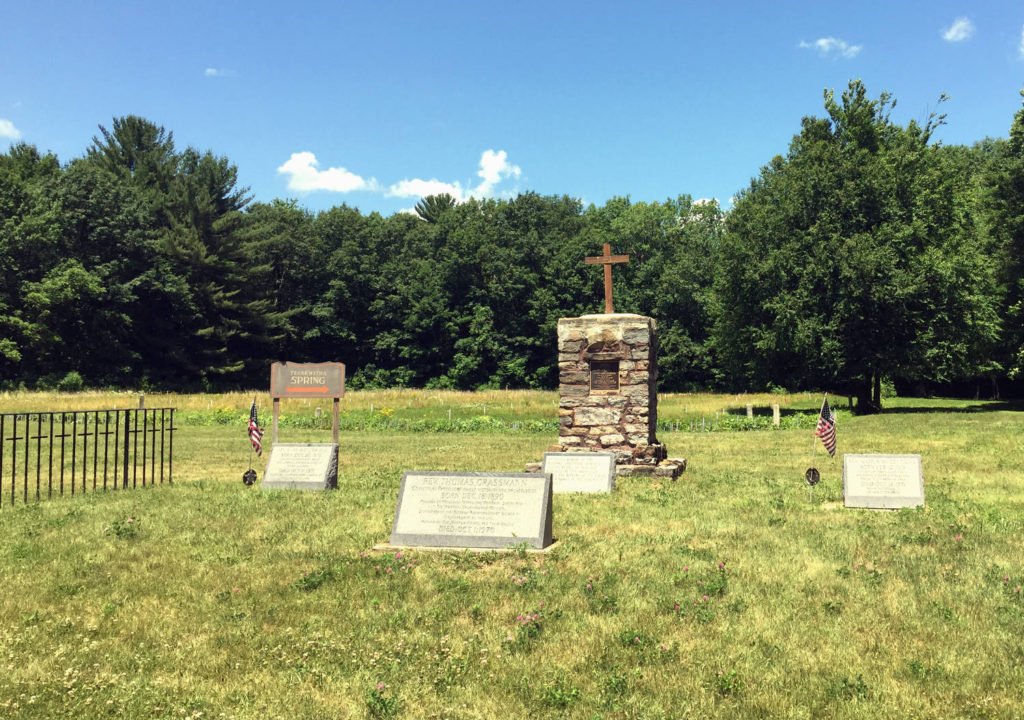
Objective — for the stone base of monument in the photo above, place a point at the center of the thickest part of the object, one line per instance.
(626, 465)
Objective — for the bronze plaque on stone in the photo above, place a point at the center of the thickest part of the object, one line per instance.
(604, 375)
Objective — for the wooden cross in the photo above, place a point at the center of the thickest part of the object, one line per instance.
(607, 260)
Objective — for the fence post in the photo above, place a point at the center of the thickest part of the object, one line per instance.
(74, 448)
(145, 419)
(28, 432)
(127, 423)
(170, 455)
(3, 419)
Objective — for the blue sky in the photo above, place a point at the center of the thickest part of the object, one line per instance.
(375, 103)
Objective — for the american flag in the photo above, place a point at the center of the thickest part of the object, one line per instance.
(255, 431)
(826, 428)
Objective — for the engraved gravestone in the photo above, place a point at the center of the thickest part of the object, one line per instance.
(302, 466)
(882, 482)
(473, 510)
(580, 472)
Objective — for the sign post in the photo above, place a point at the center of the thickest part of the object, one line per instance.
(306, 380)
(295, 466)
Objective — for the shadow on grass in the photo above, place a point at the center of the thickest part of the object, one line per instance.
(975, 407)
(989, 406)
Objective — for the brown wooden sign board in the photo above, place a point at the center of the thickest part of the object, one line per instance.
(307, 380)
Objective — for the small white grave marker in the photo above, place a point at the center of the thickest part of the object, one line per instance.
(581, 472)
(883, 482)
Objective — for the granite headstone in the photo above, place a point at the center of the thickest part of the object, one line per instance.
(576, 472)
(473, 510)
(883, 482)
(301, 466)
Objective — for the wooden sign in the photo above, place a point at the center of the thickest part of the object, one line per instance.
(307, 380)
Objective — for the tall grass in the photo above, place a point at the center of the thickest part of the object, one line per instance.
(217, 598)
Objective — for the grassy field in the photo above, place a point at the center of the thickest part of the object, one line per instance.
(726, 594)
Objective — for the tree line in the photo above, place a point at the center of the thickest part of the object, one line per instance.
(865, 255)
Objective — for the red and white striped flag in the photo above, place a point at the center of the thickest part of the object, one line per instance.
(255, 431)
(826, 428)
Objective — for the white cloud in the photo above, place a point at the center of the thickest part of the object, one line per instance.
(303, 176)
(423, 188)
(218, 72)
(7, 130)
(1020, 48)
(833, 47)
(961, 29)
(494, 167)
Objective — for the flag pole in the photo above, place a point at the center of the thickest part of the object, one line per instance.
(251, 447)
(814, 446)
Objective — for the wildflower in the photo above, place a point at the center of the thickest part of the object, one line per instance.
(704, 597)
(589, 586)
(380, 686)
(686, 568)
(721, 566)
(959, 537)
(398, 555)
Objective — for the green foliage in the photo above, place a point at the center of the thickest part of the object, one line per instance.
(854, 257)
(727, 683)
(432, 207)
(559, 694)
(127, 529)
(312, 580)
(72, 382)
(1003, 166)
(380, 705)
(865, 253)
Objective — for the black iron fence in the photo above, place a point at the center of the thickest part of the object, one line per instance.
(43, 454)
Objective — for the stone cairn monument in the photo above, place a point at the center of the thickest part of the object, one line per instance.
(608, 386)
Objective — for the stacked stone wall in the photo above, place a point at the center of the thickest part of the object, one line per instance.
(621, 420)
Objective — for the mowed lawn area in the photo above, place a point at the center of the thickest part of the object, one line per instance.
(725, 594)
